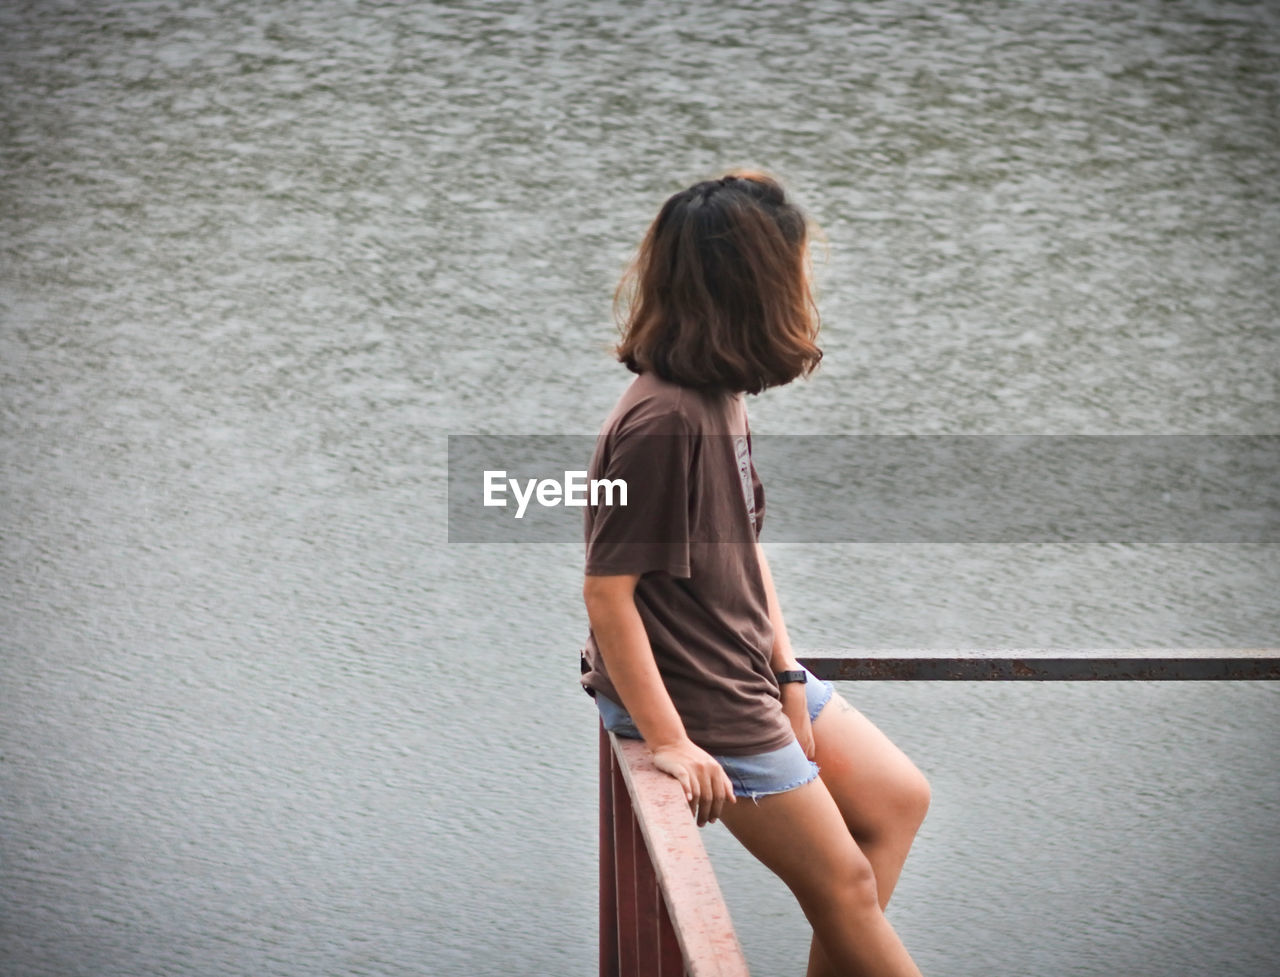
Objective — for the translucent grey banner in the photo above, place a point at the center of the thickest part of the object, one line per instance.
(910, 489)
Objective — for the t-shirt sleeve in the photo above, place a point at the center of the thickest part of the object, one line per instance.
(651, 531)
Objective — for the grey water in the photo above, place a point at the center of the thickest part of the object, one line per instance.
(258, 261)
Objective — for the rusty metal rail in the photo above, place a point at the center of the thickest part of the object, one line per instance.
(1049, 665)
(661, 910)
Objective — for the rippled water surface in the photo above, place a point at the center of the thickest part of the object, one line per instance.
(258, 260)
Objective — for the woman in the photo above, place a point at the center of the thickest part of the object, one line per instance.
(688, 648)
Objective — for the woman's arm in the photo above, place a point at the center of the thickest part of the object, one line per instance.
(624, 645)
(781, 659)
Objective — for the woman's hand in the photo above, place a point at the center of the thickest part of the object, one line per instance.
(707, 787)
(795, 705)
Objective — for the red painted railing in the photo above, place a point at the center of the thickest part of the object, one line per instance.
(661, 911)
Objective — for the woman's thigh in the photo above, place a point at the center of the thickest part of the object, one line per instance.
(874, 784)
(801, 836)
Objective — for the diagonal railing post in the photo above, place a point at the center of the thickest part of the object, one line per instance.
(671, 919)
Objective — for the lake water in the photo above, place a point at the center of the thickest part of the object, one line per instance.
(257, 716)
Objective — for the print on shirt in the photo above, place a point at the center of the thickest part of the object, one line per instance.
(743, 453)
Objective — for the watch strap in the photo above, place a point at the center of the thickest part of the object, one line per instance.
(796, 675)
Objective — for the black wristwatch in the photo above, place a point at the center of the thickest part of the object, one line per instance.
(796, 676)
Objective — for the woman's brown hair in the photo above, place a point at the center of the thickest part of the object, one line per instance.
(718, 295)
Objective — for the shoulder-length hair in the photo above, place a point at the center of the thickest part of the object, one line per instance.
(719, 293)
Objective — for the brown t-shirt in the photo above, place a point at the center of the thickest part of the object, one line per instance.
(693, 513)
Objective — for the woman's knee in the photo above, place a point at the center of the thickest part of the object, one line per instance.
(914, 798)
(859, 886)
(901, 810)
(849, 883)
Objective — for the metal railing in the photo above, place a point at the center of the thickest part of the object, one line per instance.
(1048, 665)
(661, 910)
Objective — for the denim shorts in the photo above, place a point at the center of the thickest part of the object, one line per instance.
(758, 774)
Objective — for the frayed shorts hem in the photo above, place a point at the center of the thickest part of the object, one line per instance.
(775, 772)
(754, 776)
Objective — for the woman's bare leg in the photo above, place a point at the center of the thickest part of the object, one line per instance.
(802, 837)
(881, 796)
